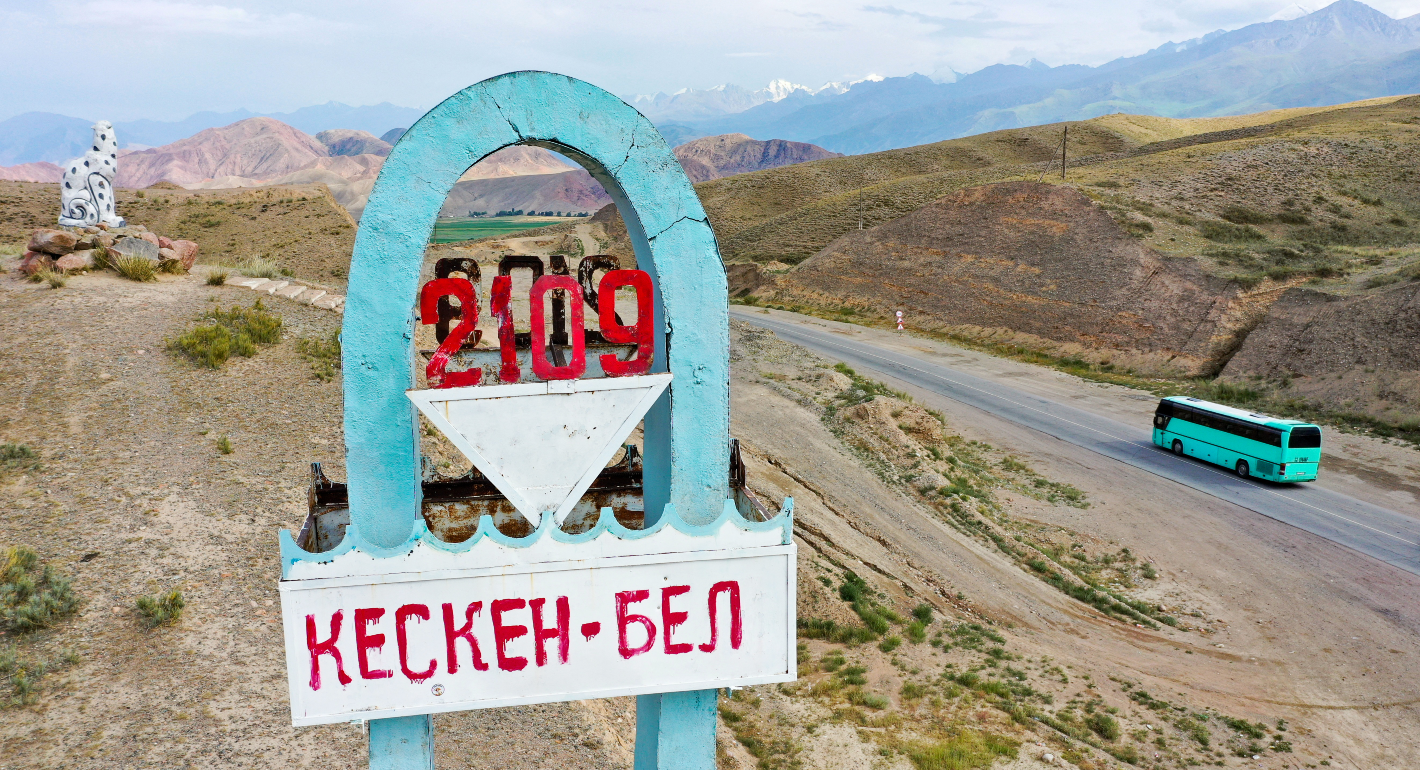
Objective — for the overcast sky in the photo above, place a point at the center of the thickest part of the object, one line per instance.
(162, 59)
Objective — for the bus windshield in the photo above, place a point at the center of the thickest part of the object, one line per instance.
(1304, 438)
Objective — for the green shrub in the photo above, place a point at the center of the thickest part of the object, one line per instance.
(923, 613)
(916, 632)
(1293, 218)
(860, 698)
(889, 644)
(1242, 215)
(164, 609)
(18, 457)
(912, 690)
(224, 445)
(32, 597)
(230, 333)
(815, 628)
(323, 355)
(217, 277)
(966, 751)
(853, 675)
(1103, 725)
(1225, 232)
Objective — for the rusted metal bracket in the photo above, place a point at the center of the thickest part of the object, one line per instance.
(445, 268)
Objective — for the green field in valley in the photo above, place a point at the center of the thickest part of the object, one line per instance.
(466, 229)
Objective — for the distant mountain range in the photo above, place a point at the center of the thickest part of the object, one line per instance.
(692, 104)
(1345, 52)
(46, 136)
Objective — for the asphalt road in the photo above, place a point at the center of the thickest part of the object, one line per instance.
(1377, 532)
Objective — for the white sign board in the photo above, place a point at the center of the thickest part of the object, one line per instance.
(646, 615)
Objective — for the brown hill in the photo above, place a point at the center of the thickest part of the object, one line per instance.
(1029, 258)
(713, 157)
(1340, 350)
(255, 148)
(518, 160)
(346, 141)
(32, 172)
(571, 191)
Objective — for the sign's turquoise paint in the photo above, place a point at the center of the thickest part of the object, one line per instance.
(686, 452)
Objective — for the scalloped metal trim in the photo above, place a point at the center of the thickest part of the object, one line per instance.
(291, 554)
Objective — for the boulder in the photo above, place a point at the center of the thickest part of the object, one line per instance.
(86, 241)
(106, 240)
(34, 261)
(135, 248)
(165, 242)
(167, 255)
(79, 260)
(151, 238)
(186, 253)
(56, 242)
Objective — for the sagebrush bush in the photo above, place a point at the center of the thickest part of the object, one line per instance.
(162, 610)
(32, 596)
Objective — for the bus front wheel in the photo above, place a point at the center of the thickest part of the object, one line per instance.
(1178, 447)
(1242, 469)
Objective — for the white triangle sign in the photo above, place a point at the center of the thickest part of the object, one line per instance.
(542, 444)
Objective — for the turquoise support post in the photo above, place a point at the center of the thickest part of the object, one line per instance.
(686, 435)
(402, 743)
(672, 730)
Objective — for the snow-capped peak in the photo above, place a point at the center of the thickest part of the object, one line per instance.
(779, 89)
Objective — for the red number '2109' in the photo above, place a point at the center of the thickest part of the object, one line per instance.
(641, 334)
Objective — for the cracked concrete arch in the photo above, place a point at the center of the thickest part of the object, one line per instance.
(686, 458)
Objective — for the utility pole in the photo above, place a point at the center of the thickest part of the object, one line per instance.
(1065, 137)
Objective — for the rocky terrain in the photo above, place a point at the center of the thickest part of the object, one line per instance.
(712, 157)
(965, 591)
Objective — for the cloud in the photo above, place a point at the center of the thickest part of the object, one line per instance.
(981, 22)
(159, 17)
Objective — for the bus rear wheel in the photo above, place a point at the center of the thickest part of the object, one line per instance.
(1242, 469)
(1178, 447)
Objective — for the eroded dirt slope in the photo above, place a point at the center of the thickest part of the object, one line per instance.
(1032, 258)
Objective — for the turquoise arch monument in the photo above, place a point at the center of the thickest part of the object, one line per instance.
(686, 433)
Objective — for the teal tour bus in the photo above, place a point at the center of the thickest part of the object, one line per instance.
(1246, 443)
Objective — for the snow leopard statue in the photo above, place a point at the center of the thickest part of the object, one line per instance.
(87, 197)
